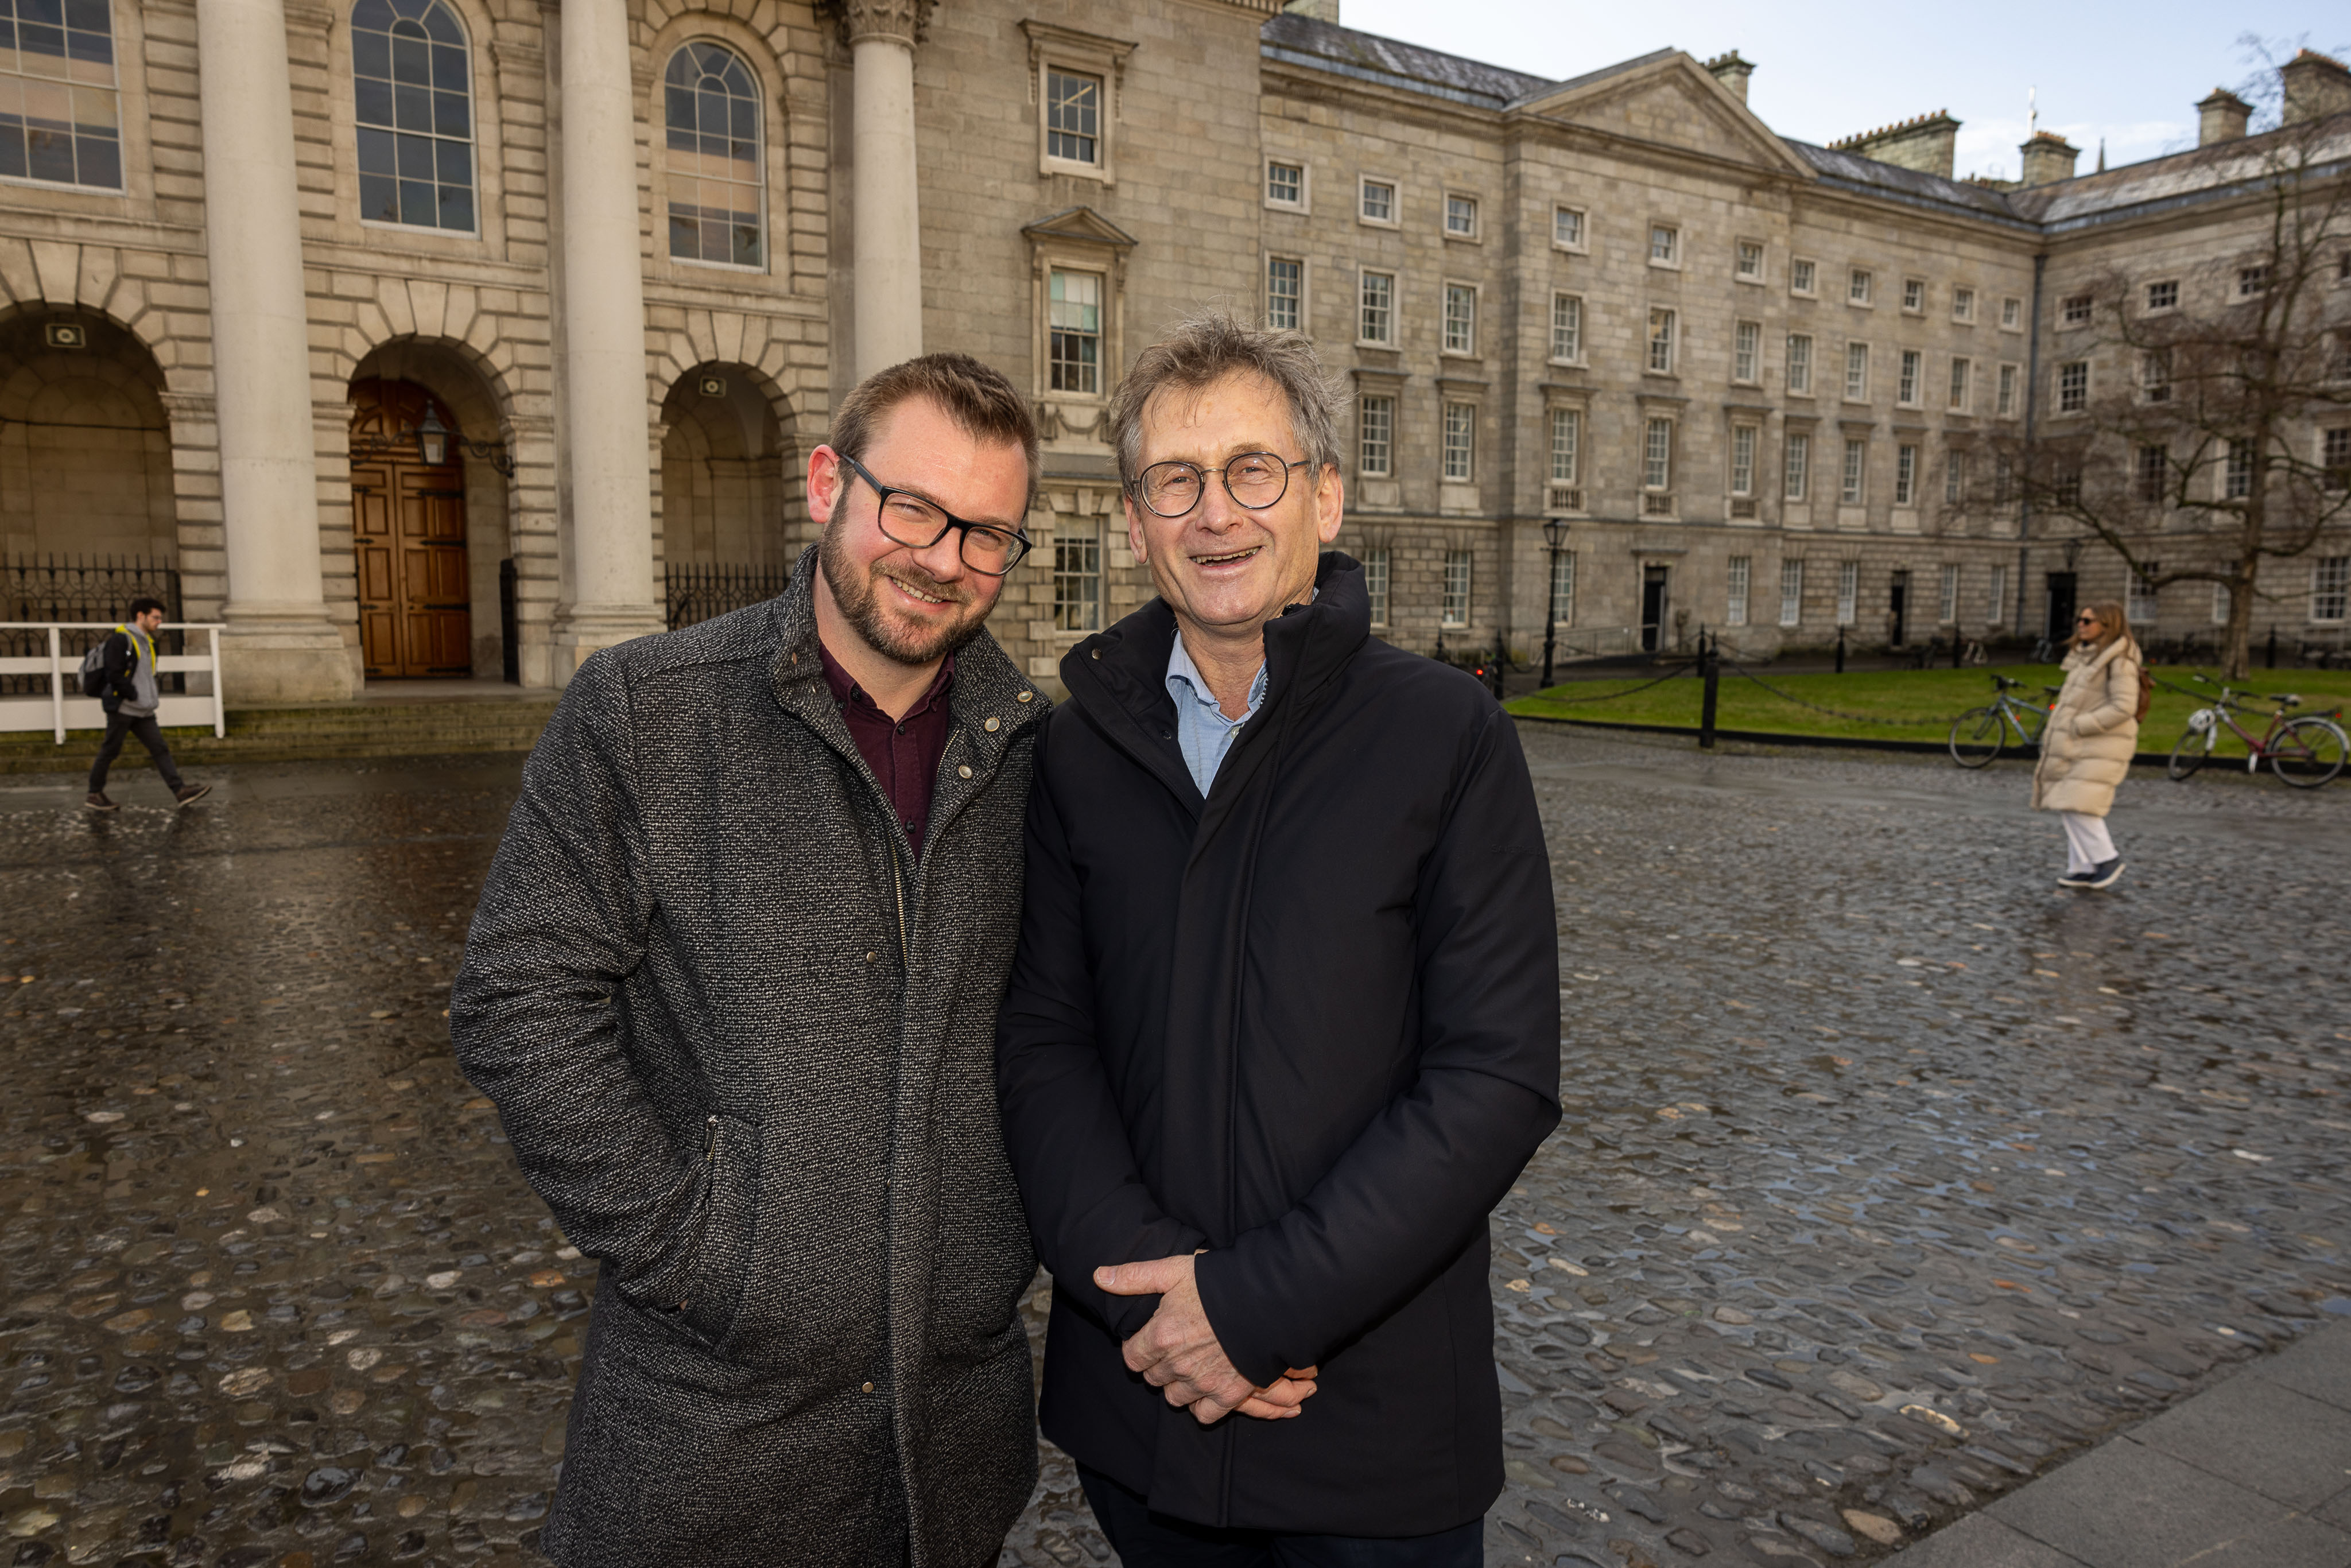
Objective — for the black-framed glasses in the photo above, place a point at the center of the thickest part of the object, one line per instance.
(907, 518)
(2086, 619)
(1254, 479)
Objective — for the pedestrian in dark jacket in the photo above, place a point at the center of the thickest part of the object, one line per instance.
(1284, 1023)
(130, 695)
(732, 984)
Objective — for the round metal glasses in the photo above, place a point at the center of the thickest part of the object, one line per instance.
(907, 518)
(1254, 479)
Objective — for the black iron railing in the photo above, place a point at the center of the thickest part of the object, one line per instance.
(81, 587)
(698, 591)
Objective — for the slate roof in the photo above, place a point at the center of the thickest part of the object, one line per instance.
(1855, 172)
(1370, 57)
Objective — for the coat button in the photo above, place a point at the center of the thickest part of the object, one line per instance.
(991, 724)
(868, 957)
(1097, 654)
(1027, 697)
(866, 1389)
(964, 770)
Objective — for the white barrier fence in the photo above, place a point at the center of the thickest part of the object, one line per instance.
(66, 708)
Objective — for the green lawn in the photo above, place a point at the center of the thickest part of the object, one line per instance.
(1906, 705)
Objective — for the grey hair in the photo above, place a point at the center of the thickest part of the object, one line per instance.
(1206, 347)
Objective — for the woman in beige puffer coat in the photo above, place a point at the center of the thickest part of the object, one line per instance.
(2087, 748)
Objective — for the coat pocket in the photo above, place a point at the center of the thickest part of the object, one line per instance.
(716, 1236)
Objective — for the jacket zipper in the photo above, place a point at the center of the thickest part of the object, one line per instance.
(709, 1194)
(898, 891)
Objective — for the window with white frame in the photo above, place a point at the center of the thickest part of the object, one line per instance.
(1285, 292)
(1743, 462)
(2003, 479)
(1563, 587)
(1658, 456)
(1962, 370)
(2154, 473)
(1905, 390)
(1460, 457)
(1848, 592)
(1748, 267)
(1376, 201)
(1963, 304)
(1905, 474)
(2330, 588)
(1460, 319)
(2074, 386)
(2154, 375)
(1460, 216)
(61, 116)
(1285, 183)
(411, 85)
(715, 169)
(1073, 319)
(2220, 602)
(1073, 116)
(2252, 280)
(1567, 227)
(1376, 435)
(1376, 315)
(2076, 309)
(1566, 445)
(2163, 295)
(1796, 461)
(1856, 373)
(1955, 479)
(1996, 598)
(1857, 284)
(1803, 276)
(1791, 593)
(1734, 609)
(1375, 583)
(1567, 327)
(2139, 600)
(2012, 314)
(1800, 363)
(2004, 405)
(1747, 351)
(1914, 295)
(1077, 578)
(1456, 609)
(1665, 245)
(2334, 457)
(1661, 341)
(1949, 611)
(2237, 474)
(1856, 470)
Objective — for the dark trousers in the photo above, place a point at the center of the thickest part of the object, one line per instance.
(118, 728)
(1147, 1540)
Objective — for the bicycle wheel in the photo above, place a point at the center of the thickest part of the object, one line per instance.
(1977, 736)
(2309, 752)
(2194, 748)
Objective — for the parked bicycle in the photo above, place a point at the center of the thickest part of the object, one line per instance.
(1981, 734)
(2306, 750)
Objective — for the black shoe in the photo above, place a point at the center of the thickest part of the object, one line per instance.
(189, 794)
(98, 802)
(2105, 876)
(2075, 879)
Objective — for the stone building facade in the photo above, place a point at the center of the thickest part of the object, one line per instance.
(432, 337)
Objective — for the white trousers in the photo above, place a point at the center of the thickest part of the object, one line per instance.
(2088, 845)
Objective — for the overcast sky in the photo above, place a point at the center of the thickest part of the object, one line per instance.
(2129, 73)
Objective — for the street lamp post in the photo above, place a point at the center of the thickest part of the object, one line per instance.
(1554, 535)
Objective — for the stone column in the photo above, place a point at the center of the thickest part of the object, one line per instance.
(887, 212)
(609, 551)
(280, 644)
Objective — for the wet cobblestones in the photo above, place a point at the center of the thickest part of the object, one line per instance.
(1890, 1176)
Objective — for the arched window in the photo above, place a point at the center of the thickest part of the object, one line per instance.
(60, 117)
(413, 82)
(715, 210)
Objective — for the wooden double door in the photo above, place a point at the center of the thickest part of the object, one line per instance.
(408, 525)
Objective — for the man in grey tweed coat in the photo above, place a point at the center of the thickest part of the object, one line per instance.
(732, 984)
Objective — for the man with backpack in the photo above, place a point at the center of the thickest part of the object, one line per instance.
(120, 673)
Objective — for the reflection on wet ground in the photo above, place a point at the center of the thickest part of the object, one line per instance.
(1890, 1174)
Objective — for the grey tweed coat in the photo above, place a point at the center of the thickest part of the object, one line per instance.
(743, 1044)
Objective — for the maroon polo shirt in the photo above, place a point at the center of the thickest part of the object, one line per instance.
(903, 753)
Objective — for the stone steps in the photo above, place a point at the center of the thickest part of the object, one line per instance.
(422, 728)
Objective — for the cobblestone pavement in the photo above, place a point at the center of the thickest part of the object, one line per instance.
(1891, 1174)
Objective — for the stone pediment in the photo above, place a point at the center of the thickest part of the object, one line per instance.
(1080, 226)
(1667, 99)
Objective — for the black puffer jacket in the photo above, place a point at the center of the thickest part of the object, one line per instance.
(1310, 1023)
(743, 1045)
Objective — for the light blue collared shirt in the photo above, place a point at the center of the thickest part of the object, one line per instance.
(1202, 731)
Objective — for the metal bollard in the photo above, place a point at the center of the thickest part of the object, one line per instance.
(1840, 667)
(1710, 662)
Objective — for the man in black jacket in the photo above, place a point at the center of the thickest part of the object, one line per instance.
(130, 695)
(1283, 1025)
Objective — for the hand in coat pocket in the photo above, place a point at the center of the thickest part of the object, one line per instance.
(1177, 1351)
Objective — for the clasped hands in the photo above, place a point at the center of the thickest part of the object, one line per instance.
(1177, 1352)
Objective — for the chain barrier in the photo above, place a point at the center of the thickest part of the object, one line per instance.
(1745, 673)
(1612, 696)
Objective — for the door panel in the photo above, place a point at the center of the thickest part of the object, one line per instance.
(408, 528)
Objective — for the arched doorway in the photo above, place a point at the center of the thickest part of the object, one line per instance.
(725, 540)
(408, 534)
(85, 447)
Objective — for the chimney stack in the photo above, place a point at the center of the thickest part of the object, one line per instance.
(2316, 85)
(2221, 118)
(2048, 158)
(1732, 72)
(1927, 143)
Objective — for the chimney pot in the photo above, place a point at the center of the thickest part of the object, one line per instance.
(1732, 72)
(1927, 142)
(2048, 158)
(2316, 85)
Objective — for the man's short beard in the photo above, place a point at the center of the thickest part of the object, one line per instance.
(859, 603)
